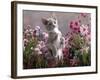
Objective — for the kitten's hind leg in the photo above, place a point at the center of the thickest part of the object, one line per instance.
(52, 50)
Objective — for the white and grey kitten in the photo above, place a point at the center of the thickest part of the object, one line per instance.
(55, 40)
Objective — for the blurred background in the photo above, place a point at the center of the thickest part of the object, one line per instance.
(33, 18)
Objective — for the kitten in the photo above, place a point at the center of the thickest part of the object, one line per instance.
(55, 41)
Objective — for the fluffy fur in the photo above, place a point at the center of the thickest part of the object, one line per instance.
(55, 41)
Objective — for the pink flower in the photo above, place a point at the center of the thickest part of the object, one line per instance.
(25, 42)
(42, 43)
(85, 48)
(40, 52)
(39, 46)
(84, 30)
(45, 36)
(37, 50)
(65, 52)
(67, 42)
(37, 28)
(75, 26)
(37, 31)
(26, 31)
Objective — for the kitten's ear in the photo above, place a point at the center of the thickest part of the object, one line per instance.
(54, 16)
(55, 20)
(44, 21)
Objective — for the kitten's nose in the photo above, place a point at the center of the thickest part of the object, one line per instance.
(50, 23)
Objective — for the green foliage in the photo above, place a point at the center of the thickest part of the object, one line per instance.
(28, 51)
(77, 41)
(77, 44)
(32, 59)
(85, 58)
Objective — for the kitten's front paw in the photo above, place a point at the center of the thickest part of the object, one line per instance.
(62, 42)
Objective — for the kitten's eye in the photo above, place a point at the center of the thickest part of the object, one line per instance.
(54, 22)
(50, 23)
